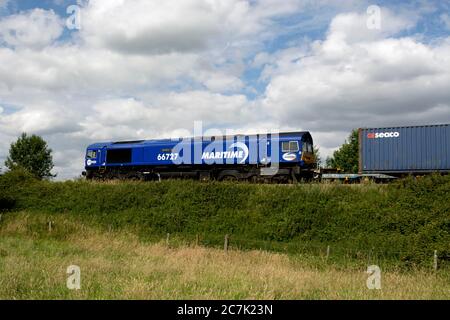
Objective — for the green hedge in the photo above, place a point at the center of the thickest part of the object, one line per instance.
(408, 219)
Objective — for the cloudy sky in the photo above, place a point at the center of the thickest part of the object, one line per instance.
(77, 72)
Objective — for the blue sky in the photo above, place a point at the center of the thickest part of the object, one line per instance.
(149, 69)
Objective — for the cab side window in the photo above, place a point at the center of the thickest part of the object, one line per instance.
(289, 146)
(91, 154)
(307, 147)
(293, 146)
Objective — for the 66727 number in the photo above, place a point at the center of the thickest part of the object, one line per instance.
(167, 156)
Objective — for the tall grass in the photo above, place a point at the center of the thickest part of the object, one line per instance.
(117, 265)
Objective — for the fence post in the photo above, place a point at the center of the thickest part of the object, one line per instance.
(49, 226)
(167, 239)
(435, 262)
(225, 245)
(371, 256)
(328, 252)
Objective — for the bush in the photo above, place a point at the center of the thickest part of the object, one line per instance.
(10, 183)
(15, 177)
(6, 203)
(408, 219)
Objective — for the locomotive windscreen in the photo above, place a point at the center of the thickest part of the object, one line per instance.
(118, 156)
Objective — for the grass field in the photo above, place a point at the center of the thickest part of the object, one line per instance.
(119, 265)
(116, 233)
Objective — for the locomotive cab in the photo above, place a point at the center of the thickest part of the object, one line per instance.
(308, 156)
(308, 153)
(297, 149)
(92, 157)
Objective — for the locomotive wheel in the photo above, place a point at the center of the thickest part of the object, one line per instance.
(134, 177)
(229, 179)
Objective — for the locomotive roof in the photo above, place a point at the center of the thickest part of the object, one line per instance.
(130, 143)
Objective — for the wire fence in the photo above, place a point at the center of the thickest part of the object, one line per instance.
(349, 254)
(333, 253)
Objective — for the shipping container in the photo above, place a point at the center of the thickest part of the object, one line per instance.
(405, 150)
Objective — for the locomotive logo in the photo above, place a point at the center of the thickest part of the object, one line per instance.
(90, 162)
(230, 154)
(379, 135)
(289, 156)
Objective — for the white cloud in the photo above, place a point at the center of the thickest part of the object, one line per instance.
(158, 27)
(352, 27)
(349, 81)
(158, 115)
(39, 120)
(85, 69)
(36, 29)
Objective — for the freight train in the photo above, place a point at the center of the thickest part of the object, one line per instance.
(384, 154)
(283, 157)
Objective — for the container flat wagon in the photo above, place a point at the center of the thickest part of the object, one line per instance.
(399, 151)
(285, 157)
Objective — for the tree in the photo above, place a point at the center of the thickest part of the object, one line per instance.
(32, 154)
(346, 157)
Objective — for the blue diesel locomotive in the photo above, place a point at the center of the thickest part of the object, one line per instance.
(284, 157)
